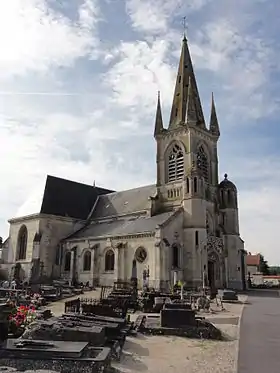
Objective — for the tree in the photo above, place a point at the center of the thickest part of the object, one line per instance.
(264, 268)
(274, 270)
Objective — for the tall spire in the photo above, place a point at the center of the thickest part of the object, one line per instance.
(214, 124)
(158, 121)
(181, 93)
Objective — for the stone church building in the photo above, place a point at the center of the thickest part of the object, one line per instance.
(183, 227)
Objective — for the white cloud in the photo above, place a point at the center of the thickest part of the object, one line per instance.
(33, 37)
(155, 16)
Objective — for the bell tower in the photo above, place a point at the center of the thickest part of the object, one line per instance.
(186, 141)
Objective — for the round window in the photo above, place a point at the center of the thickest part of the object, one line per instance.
(141, 254)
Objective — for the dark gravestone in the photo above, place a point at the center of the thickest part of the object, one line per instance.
(176, 318)
(62, 357)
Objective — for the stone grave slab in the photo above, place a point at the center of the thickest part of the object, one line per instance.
(95, 335)
(57, 356)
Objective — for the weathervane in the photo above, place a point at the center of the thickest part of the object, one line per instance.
(185, 27)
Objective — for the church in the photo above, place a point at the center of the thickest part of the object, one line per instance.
(184, 227)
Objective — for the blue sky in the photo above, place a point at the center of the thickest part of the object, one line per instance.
(79, 82)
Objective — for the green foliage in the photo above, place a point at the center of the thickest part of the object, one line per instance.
(274, 270)
(264, 267)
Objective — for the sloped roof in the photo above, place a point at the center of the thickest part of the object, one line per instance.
(124, 202)
(122, 227)
(253, 260)
(68, 198)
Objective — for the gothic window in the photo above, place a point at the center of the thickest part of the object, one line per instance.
(176, 163)
(67, 263)
(109, 260)
(188, 185)
(22, 243)
(175, 256)
(87, 261)
(202, 163)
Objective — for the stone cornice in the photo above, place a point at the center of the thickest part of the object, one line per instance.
(44, 216)
(24, 218)
(102, 238)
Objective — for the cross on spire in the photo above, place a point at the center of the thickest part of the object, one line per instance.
(185, 26)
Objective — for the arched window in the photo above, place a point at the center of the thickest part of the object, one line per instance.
(109, 260)
(87, 261)
(175, 256)
(176, 164)
(22, 243)
(202, 163)
(67, 263)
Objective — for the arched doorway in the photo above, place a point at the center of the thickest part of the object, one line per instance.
(213, 270)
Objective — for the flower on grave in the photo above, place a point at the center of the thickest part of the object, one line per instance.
(22, 316)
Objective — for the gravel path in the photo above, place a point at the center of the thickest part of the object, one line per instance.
(160, 354)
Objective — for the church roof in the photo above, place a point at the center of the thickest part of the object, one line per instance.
(68, 198)
(123, 227)
(124, 202)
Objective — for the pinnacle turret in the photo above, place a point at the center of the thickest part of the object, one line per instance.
(214, 124)
(158, 121)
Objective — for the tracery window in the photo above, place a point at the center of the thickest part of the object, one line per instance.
(202, 163)
(109, 260)
(176, 163)
(87, 261)
(22, 243)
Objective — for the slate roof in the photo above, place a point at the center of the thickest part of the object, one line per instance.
(125, 202)
(141, 224)
(68, 198)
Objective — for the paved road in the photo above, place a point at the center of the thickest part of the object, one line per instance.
(259, 346)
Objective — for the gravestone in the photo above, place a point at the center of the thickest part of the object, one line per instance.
(177, 318)
(57, 356)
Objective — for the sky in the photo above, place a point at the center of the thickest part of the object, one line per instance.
(78, 93)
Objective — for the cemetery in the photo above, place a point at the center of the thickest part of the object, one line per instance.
(91, 333)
